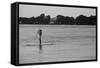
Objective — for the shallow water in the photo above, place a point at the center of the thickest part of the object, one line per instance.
(59, 43)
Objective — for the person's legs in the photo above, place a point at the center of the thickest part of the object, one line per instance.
(40, 45)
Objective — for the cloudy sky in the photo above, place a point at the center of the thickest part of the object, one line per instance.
(36, 10)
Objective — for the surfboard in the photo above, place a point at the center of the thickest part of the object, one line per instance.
(37, 44)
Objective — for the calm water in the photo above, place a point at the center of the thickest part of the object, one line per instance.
(59, 43)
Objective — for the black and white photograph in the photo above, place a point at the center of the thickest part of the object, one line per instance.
(56, 33)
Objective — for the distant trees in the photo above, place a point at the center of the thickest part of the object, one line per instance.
(92, 20)
(59, 19)
(83, 20)
(47, 19)
(70, 20)
(23, 20)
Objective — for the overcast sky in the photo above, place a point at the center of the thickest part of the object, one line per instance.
(53, 11)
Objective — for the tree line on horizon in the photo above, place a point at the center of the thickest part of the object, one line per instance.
(59, 20)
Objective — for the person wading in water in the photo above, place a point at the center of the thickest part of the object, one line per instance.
(40, 35)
